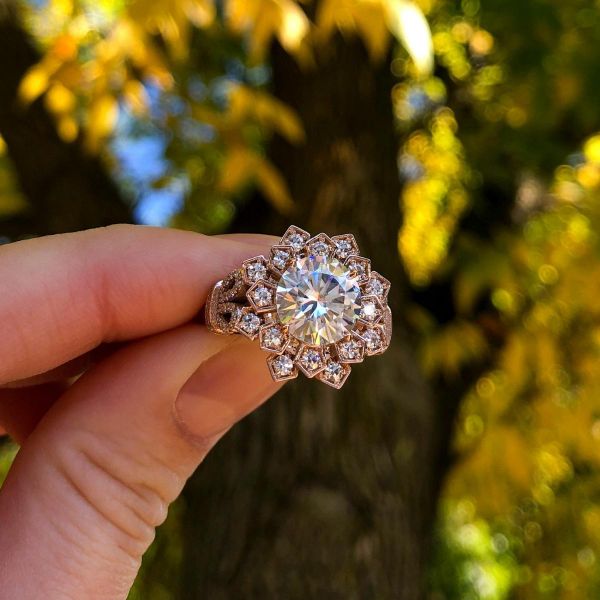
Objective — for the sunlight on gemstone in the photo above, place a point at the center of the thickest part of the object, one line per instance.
(318, 300)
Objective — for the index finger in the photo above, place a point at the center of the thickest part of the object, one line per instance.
(63, 295)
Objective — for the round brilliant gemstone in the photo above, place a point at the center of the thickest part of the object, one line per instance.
(319, 248)
(318, 299)
(350, 350)
(375, 287)
(280, 259)
(344, 248)
(334, 372)
(358, 267)
(263, 296)
(369, 311)
(372, 339)
(273, 338)
(296, 241)
(256, 271)
(283, 366)
(250, 323)
(311, 360)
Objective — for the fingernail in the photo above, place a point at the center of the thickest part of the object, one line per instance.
(223, 390)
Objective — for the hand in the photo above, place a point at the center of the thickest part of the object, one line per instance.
(102, 458)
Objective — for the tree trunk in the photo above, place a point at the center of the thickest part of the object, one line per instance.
(324, 493)
(66, 188)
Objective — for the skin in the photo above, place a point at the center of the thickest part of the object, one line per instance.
(114, 394)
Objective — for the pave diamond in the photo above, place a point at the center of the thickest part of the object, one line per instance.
(344, 248)
(318, 300)
(319, 248)
(249, 323)
(256, 271)
(375, 287)
(280, 259)
(263, 296)
(373, 340)
(283, 366)
(311, 360)
(334, 372)
(370, 311)
(350, 350)
(273, 337)
(296, 241)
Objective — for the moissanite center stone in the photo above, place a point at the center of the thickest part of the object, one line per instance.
(318, 300)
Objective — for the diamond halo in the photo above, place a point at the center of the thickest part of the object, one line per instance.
(314, 304)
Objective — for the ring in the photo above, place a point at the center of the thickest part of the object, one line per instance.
(314, 304)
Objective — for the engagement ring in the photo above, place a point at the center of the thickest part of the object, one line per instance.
(314, 305)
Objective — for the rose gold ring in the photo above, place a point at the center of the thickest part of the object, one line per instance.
(314, 304)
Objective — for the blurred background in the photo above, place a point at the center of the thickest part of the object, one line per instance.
(460, 142)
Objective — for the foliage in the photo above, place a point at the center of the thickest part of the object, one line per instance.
(496, 111)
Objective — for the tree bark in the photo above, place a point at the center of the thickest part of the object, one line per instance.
(320, 494)
(66, 188)
(323, 493)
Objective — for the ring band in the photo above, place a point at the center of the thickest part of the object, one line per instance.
(314, 304)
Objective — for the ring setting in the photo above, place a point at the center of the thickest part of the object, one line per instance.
(314, 305)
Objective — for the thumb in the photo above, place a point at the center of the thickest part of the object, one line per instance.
(80, 506)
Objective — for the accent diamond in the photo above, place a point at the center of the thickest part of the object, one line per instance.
(334, 372)
(320, 248)
(280, 259)
(296, 241)
(373, 340)
(272, 338)
(263, 296)
(283, 365)
(318, 300)
(249, 324)
(311, 360)
(351, 350)
(345, 246)
(370, 311)
(256, 271)
(375, 287)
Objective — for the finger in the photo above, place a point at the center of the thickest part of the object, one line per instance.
(92, 482)
(64, 295)
(67, 370)
(21, 409)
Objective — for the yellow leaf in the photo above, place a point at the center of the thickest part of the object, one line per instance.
(274, 187)
(67, 129)
(265, 19)
(371, 24)
(243, 165)
(59, 99)
(591, 149)
(283, 119)
(102, 117)
(238, 169)
(64, 48)
(408, 23)
(201, 12)
(294, 26)
(34, 83)
(271, 113)
(134, 93)
(335, 14)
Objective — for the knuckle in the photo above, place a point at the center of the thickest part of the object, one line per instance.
(128, 496)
